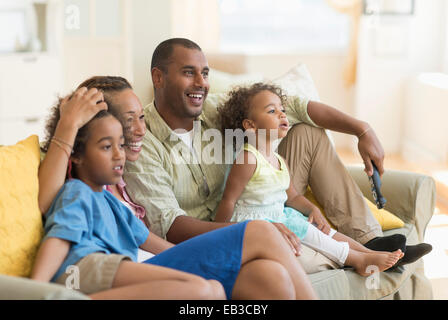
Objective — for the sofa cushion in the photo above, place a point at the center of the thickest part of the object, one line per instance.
(387, 220)
(331, 284)
(383, 285)
(21, 227)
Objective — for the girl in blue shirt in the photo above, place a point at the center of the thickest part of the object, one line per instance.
(88, 227)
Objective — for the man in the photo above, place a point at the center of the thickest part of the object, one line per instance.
(181, 196)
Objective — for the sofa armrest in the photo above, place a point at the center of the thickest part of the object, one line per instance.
(410, 196)
(16, 288)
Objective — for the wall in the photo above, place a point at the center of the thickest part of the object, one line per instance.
(388, 55)
(445, 61)
(326, 71)
(151, 24)
(97, 40)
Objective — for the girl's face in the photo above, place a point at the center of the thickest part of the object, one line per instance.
(104, 156)
(266, 112)
(133, 120)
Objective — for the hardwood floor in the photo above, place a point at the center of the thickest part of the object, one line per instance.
(436, 262)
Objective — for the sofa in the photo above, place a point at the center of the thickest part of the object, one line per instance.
(410, 205)
(411, 196)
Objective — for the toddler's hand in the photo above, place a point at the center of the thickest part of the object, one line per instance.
(316, 218)
(291, 238)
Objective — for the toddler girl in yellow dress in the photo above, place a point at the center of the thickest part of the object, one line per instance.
(259, 187)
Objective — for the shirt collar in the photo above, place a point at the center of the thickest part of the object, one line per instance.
(158, 127)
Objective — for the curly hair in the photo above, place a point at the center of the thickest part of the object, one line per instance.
(237, 107)
(109, 85)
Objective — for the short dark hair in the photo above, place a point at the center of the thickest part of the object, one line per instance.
(163, 52)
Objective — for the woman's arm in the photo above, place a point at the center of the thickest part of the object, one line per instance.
(75, 111)
(49, 258)
(242, 170)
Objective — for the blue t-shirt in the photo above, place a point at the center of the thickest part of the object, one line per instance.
(92, 222)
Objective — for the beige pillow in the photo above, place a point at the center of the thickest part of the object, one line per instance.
(298, 82)
(223, 82)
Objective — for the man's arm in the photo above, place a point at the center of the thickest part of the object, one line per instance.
(369, 146)
(151, 185)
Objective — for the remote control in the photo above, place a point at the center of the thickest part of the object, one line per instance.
(375, 184)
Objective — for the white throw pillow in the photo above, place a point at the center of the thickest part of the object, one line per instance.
(298, 82)
(223, 82)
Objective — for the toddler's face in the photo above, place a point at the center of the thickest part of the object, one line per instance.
(266, 112)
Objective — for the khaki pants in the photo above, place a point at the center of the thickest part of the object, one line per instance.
(313, 161)
(96, 272)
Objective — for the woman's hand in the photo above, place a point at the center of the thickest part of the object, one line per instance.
(81, 107)
(370, 150)
(316, 218)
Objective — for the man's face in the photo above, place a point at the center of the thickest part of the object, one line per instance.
(185, 84)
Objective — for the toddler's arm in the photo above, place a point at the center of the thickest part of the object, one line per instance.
(302, 204)
(242, 170)
(49, 258)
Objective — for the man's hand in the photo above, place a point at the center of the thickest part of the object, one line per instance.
(316, 218)
(291, 238)
(370, 150)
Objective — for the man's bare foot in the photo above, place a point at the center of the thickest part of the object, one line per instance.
(367, 263)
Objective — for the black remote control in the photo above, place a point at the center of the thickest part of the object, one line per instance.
(375, 183)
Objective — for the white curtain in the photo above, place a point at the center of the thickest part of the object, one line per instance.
(353, 8)
(197, 20)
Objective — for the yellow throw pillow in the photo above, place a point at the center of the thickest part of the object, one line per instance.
(21, 227)
(386, 219)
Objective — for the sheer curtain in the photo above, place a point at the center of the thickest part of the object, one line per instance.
(353, 8)
(197, 20)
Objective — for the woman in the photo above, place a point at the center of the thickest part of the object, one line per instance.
(268, 268)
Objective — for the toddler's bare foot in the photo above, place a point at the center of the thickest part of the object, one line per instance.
(367, 263)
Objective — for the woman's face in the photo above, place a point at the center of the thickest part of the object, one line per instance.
(133, 120)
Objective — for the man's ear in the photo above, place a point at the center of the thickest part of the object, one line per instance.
(157, 77)
(248, 124)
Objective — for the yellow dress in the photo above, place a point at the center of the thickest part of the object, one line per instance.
(265, 195)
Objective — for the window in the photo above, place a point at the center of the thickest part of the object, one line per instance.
(277, 26)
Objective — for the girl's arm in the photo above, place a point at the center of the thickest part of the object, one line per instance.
(75, 111)
(242, 170)
(49, 258)
(155, 244)
(302, 204)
